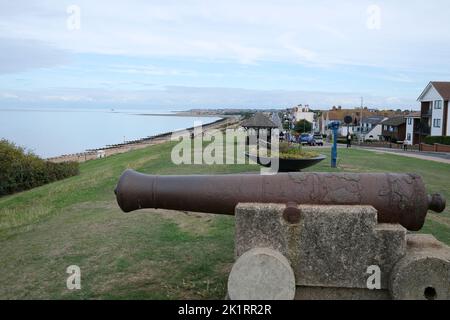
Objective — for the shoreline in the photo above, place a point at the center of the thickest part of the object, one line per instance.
(186, 114)
(109, 150)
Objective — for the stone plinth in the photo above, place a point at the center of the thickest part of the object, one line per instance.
(331, 246)
(333, 251)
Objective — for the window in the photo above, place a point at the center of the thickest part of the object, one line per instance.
(409, 137)
(437, 123)
(409, 122)
(438, 104)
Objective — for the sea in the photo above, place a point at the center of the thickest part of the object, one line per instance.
(54, 132)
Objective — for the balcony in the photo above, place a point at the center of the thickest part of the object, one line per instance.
(424, 130)
(426, 113)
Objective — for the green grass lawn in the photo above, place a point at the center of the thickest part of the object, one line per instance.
(151, 254)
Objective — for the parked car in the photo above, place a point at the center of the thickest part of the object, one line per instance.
(306, 138)
(318, 139)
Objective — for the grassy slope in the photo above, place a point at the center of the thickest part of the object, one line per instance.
(142, 255)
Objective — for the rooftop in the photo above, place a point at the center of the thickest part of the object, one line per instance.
(394, 121)
(340, 114)
(373, 119)
(276, 120)
(442, 87)
(413, 115)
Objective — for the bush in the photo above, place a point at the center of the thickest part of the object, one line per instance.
(303, 126)
(21, 170)
(343, 140)
(438, 139)
(287, 151)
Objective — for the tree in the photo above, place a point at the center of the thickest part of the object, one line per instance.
(286, 125)
(303, 126)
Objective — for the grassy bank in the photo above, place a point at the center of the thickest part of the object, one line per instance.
(148, 254)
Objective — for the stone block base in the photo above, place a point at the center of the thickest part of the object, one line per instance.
(332, 252)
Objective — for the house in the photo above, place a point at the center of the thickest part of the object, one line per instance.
(304, 113)
(371, 118)
(371, 127)
(434, 115)
(413, 128)
(394, 129)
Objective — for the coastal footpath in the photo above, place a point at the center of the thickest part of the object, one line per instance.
(223, 123)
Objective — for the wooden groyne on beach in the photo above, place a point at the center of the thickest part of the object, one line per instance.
(140, 143)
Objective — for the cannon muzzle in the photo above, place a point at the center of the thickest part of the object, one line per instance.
(398, 198)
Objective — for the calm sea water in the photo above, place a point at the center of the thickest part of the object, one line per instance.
(51, 133)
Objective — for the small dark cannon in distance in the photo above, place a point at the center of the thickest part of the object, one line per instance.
(398, 198)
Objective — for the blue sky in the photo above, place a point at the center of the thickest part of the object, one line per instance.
(199, 54)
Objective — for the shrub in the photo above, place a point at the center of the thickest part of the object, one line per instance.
(290, 151)
(21, 170)
(437, 139)
(302, 126)
(342, 140)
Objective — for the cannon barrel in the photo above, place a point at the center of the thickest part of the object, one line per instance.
(398, 198)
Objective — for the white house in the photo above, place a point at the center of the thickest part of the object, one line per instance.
(344, 130)
(412, 128)
(372, 127)
(303, 113)
(435, 117)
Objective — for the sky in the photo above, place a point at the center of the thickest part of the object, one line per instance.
(216, 54)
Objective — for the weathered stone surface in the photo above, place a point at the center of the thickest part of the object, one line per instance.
(424, 272)
(259, 225)
(261, 274)
(320, 293)
(331, 246)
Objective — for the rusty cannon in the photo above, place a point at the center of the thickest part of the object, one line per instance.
(398, 198)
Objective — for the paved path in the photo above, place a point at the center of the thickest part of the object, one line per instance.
(441, 157)
(432, 156)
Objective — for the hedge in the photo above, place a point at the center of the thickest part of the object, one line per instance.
(21, 170)
(437, 139)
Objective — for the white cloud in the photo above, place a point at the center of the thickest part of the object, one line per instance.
(17, 55)
(411, 46)
(7, 95)
(65, 98)
(322, 32)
